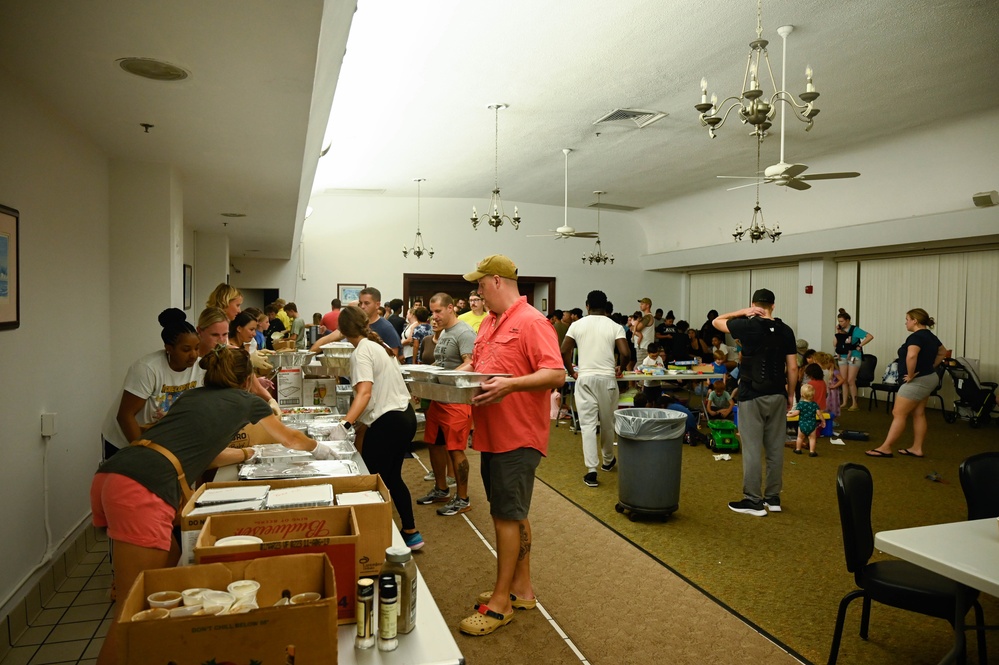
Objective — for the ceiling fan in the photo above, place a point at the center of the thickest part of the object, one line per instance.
(782, 173)
(566, 231)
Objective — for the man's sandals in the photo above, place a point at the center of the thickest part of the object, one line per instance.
(484, 622)
(487, 621)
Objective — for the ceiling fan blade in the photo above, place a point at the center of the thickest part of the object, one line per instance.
(830, 176)
(796, 183)
(739, 177)
(752, 184)
(543, 236)
(794, 170)
(584, 234)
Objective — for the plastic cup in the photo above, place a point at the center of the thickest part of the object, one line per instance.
(164, 599)
(193, 596)
(154, 613)
(307, 597)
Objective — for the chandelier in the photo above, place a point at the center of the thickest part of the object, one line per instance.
(758, 230)
(754, 108)
(597, 255)
(418, 249)
(496, 217)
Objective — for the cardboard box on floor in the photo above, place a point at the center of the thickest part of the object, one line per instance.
(374, 520)
(262, 635)
(331, 531)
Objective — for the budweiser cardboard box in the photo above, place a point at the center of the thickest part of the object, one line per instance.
(374, 520)
(330, 531)
(264, 635)
(289, 387)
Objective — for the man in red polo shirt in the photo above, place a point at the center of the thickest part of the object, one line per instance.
(512, 434)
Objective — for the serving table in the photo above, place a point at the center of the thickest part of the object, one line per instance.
(430, 643)
(966, 552)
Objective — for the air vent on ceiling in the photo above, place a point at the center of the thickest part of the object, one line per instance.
(630, 118)
(612, 206)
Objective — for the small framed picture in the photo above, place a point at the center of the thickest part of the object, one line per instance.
(348, 293)
(10, 279)
(188, 286)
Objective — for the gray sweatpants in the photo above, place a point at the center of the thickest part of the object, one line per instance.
(596, 402)
(762, 428)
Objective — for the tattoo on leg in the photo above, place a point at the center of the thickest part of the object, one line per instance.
(525, 543)
(462, 472)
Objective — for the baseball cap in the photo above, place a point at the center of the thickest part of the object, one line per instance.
(765, 296)
(497, 264)
(646, 301)
(801, 345)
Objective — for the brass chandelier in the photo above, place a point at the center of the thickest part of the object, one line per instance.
(418, 249)
(496, 215)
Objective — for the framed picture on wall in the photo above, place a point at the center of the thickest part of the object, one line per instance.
(188, 279)
(10, 283)
(348, 293)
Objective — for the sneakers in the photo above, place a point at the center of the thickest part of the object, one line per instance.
(455, 506)
(590, 479)
(772, 504)
(610, 465)
(451, 482)
(748, 507)
(414, 541)
(430, 476)
(435, 496)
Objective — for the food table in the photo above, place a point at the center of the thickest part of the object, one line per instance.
(431, 642)
(966, 552)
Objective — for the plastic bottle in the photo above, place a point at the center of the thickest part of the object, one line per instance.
(365, 638)
(399, 562)
(388, 599)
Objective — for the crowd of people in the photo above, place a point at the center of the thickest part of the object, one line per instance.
(179, 407)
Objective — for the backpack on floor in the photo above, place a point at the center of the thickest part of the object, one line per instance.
(854, 435)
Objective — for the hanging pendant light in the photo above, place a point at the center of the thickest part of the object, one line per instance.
(597, 255)
(496, 216)
(418, 249)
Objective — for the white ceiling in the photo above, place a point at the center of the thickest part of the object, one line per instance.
(244, 130)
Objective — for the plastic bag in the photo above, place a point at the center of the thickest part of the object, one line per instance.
(649, 424)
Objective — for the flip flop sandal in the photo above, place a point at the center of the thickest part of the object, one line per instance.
(518, 603)
(877, 453)
(484, 622)
(905, 452)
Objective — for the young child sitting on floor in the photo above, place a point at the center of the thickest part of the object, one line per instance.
(810, 420)
(718, 402)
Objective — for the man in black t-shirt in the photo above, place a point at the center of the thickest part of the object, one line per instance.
(767, 377)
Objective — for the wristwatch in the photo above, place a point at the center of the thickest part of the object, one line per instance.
(346, 424)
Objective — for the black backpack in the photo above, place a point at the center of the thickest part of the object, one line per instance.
(766, 369)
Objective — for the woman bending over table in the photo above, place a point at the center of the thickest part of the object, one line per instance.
(136, 494)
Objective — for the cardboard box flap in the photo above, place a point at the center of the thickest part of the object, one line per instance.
(310, 573)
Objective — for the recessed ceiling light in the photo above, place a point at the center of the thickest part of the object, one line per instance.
(233, 214)
(156, 70)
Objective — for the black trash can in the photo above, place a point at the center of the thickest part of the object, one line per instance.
(649, 452)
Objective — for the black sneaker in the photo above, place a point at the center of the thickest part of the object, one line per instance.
(772, 504)
(590, 479)
(748, 507)
(435, 496)
(610, 465)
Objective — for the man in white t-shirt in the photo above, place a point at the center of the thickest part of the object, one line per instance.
(596, 337)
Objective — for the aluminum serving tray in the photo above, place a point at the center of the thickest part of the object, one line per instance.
(438, 392)
(464, 379)
(423, 373)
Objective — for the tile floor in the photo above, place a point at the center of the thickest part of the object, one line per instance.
(72, 622)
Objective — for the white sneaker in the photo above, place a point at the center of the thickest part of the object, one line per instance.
(837, 442)
(430, 476)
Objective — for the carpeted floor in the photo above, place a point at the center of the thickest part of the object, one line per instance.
(608, 602)
(786, 573)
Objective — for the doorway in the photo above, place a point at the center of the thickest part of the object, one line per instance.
(540, 291)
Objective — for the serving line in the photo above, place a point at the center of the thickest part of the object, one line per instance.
(966, 552)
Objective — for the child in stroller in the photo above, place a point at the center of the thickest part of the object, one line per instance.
(974, 395)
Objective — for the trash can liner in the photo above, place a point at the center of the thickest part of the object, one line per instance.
(649, 424)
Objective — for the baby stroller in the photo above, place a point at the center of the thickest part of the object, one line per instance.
(974, 396)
